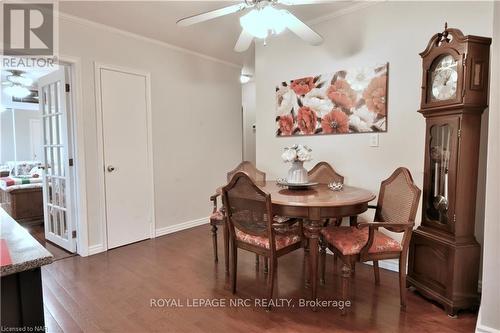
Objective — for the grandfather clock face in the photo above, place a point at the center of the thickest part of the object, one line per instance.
(443, 79)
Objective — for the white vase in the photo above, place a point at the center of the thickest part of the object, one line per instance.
(297, 173)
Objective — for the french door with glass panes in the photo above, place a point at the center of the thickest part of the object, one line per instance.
(56, 176)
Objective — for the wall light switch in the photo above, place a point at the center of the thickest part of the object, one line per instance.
(374, 140)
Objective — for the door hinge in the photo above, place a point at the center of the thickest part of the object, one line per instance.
(459, 132)
(73, 234)
(68, 88)
(71, 162)
(454, 218)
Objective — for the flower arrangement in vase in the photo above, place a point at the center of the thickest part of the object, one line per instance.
(297, 155)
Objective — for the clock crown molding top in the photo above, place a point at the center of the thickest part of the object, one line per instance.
(455, 72)
(457, 38)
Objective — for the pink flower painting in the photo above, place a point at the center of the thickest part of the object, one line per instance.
(286, 125)
(347, 101)
(341, 93)
(302, 86)
(375, 95)
(335, 122)
(306, 119)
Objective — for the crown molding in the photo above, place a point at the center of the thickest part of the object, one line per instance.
(89, 23)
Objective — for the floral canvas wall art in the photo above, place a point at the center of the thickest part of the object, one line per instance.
(348, 101)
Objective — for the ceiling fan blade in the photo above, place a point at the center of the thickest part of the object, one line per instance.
(243, 42)
(211, 14)
(303, 30)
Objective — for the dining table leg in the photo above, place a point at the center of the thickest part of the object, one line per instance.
(312, 232)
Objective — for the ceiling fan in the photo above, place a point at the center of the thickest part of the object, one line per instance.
(17, 84)
(264, 18)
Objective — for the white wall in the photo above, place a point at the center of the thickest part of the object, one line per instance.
(196, 113)
(394, 32)
(23, 135)
(7, 146)
(248, 99)
(18, 147)
(489, 319)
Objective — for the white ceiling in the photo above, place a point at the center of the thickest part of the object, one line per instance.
(158, 19)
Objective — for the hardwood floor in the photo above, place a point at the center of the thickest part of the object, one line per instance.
(111, 292)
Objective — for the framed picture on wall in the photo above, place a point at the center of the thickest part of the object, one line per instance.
(347, 101)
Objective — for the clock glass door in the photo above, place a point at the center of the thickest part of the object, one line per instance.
(439, 173)
(439, 194)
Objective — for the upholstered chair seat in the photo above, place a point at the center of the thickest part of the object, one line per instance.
(282, 238)
(350, 240)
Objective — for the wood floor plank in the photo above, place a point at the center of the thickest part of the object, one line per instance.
(78, 313)
(59, 313)
(111, 292)
(51, 324)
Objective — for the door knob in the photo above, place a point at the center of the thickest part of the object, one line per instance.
(111, 168)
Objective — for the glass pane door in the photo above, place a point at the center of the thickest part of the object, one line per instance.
(58, 228)
(440, 152)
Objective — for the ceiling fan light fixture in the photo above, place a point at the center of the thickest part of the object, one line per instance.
(252, 23)
(275, 18)
(20, 79)
(17, 91)
(262, 21)
(245, 78)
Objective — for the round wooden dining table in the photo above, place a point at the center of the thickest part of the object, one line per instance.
(314, 205)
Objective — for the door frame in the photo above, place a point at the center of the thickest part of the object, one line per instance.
(77, 130)
(98, 66)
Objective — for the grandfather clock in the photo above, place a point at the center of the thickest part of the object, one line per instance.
(444, 254)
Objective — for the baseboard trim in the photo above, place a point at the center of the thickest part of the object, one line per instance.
(95, 249)
(98, 248)
(389, 264)
(181, 226)
(483, 328)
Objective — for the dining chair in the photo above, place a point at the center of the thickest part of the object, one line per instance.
(324, 173)
(248, 209)
(217, 218)
(395, 211)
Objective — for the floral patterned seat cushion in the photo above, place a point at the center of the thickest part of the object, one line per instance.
(282, 239)
(350, 240)
(217, 216)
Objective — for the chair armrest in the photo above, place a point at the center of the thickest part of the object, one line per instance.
(213, 198)
(404, 227)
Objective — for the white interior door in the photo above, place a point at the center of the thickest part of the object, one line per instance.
(56, 181)
(127, 167)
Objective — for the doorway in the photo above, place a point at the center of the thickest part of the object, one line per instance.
(38, 182)
(124, 115)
